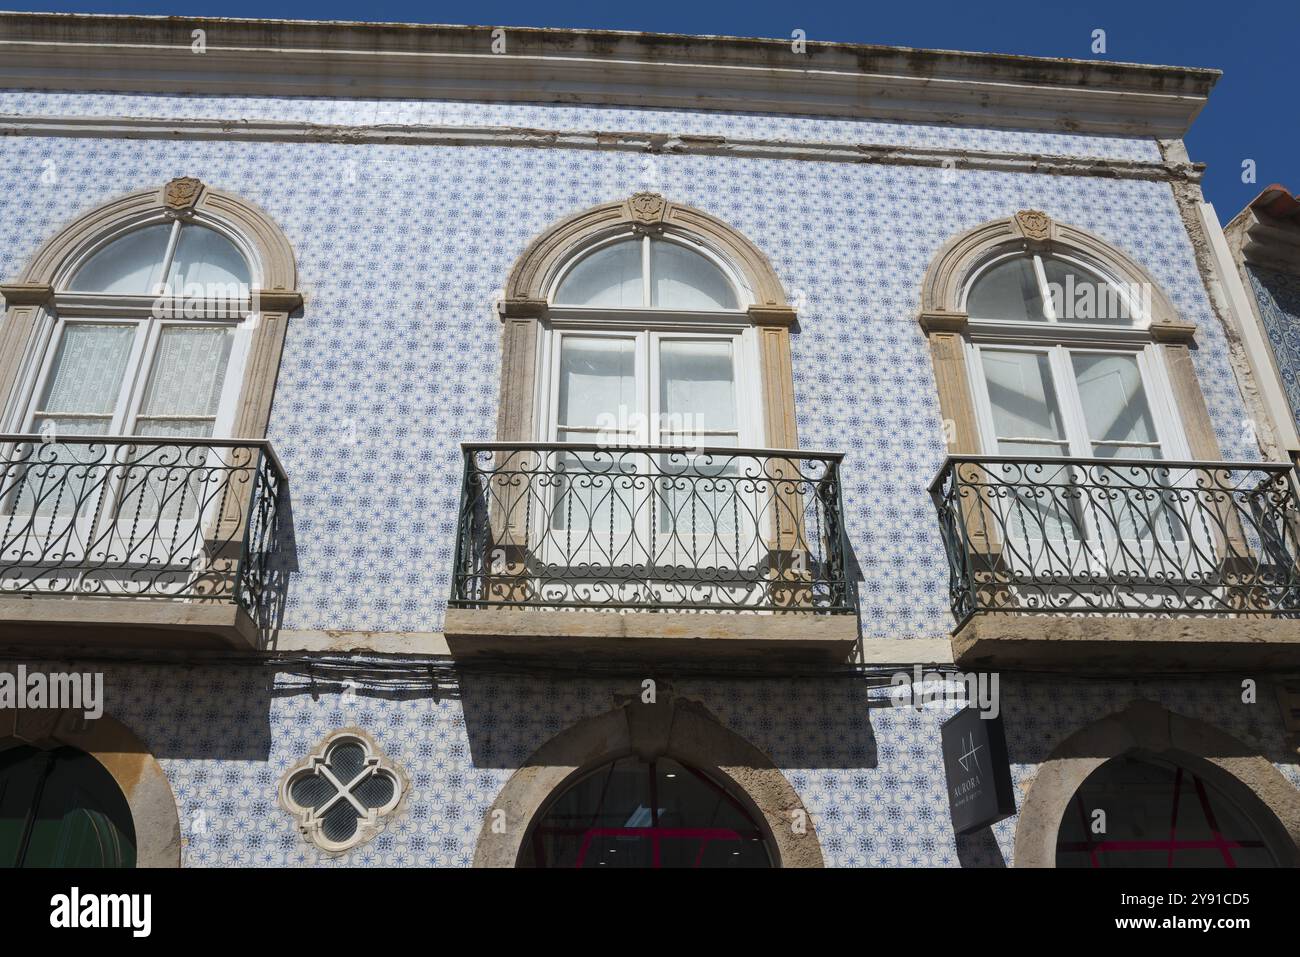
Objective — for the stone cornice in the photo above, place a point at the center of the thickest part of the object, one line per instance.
(135, 128)
(275, 57)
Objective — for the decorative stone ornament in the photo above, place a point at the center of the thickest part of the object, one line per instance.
(647, 208)
(182, 193)
(1035, 224)
(342, 792)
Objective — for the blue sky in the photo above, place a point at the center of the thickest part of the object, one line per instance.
(1251, 113)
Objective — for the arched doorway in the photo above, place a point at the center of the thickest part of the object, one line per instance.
(62, 808)
(1139, 810)
(653, 813)
(727, 785)
(1241, 777)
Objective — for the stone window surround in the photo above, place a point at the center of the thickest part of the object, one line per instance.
(945, 322)
(526, 303)
(672, 726)
(126, 758)
(1146, 726)
(369, 825)
(31, 300)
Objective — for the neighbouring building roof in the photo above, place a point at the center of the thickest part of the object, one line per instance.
(1276, 201)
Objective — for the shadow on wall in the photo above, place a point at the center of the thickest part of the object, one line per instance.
(281, 569)
(798, 723)
(979, 849)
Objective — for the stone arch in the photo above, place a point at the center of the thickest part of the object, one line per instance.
(1145, 726)
(1031, 230)
(128, 759)
(185, 198)
(673, 727)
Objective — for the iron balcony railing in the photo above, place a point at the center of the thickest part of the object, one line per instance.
(141, 517)
(1119, 536)
(651, 528)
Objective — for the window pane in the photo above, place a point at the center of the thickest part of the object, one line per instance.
(189, 371)
(205, 256)
(697, 385)
(1157, 815)
(86, 376)
(681, 278)
(597, 375)
(129, 265)
(610, 276)
(1008, 290)
(1114, 403)
(1081, 296)
(1022, 395)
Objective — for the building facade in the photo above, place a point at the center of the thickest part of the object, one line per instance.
(470, 447)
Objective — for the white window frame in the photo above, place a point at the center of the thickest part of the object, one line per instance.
(138, 311)
(1059, 340)
(110, 309)
(648, 327)
(1170, 435)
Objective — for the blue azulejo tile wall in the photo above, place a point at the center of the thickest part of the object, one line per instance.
(395, 358)
(1278, 295)
(869, 772)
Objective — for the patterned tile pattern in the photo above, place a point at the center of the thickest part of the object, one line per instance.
(1278, 295)
(395, 362)
(869, 773)
(792, 128)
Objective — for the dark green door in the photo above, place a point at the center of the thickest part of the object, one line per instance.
(61, 808)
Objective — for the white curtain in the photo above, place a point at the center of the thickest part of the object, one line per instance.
(610, 277)
(86, 378)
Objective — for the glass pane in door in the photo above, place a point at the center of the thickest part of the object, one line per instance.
(181, 400)
(701, 506)
(1130, 502)
(1037, 502)
(597, 402)
(80, 397)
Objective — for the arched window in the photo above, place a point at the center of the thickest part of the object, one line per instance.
(1140, 811)
(61, 808)
(646, 342)
(149, 337)
(1049, 342)
(635, 813)
(1066, 385)
(141, 317)
(1062, 365)
(650, 321)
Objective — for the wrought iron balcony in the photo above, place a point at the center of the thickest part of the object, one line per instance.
(550, 526)
(99, 517)
(1119, 537)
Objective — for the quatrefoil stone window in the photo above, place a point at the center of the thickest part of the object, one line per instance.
(342, 792)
